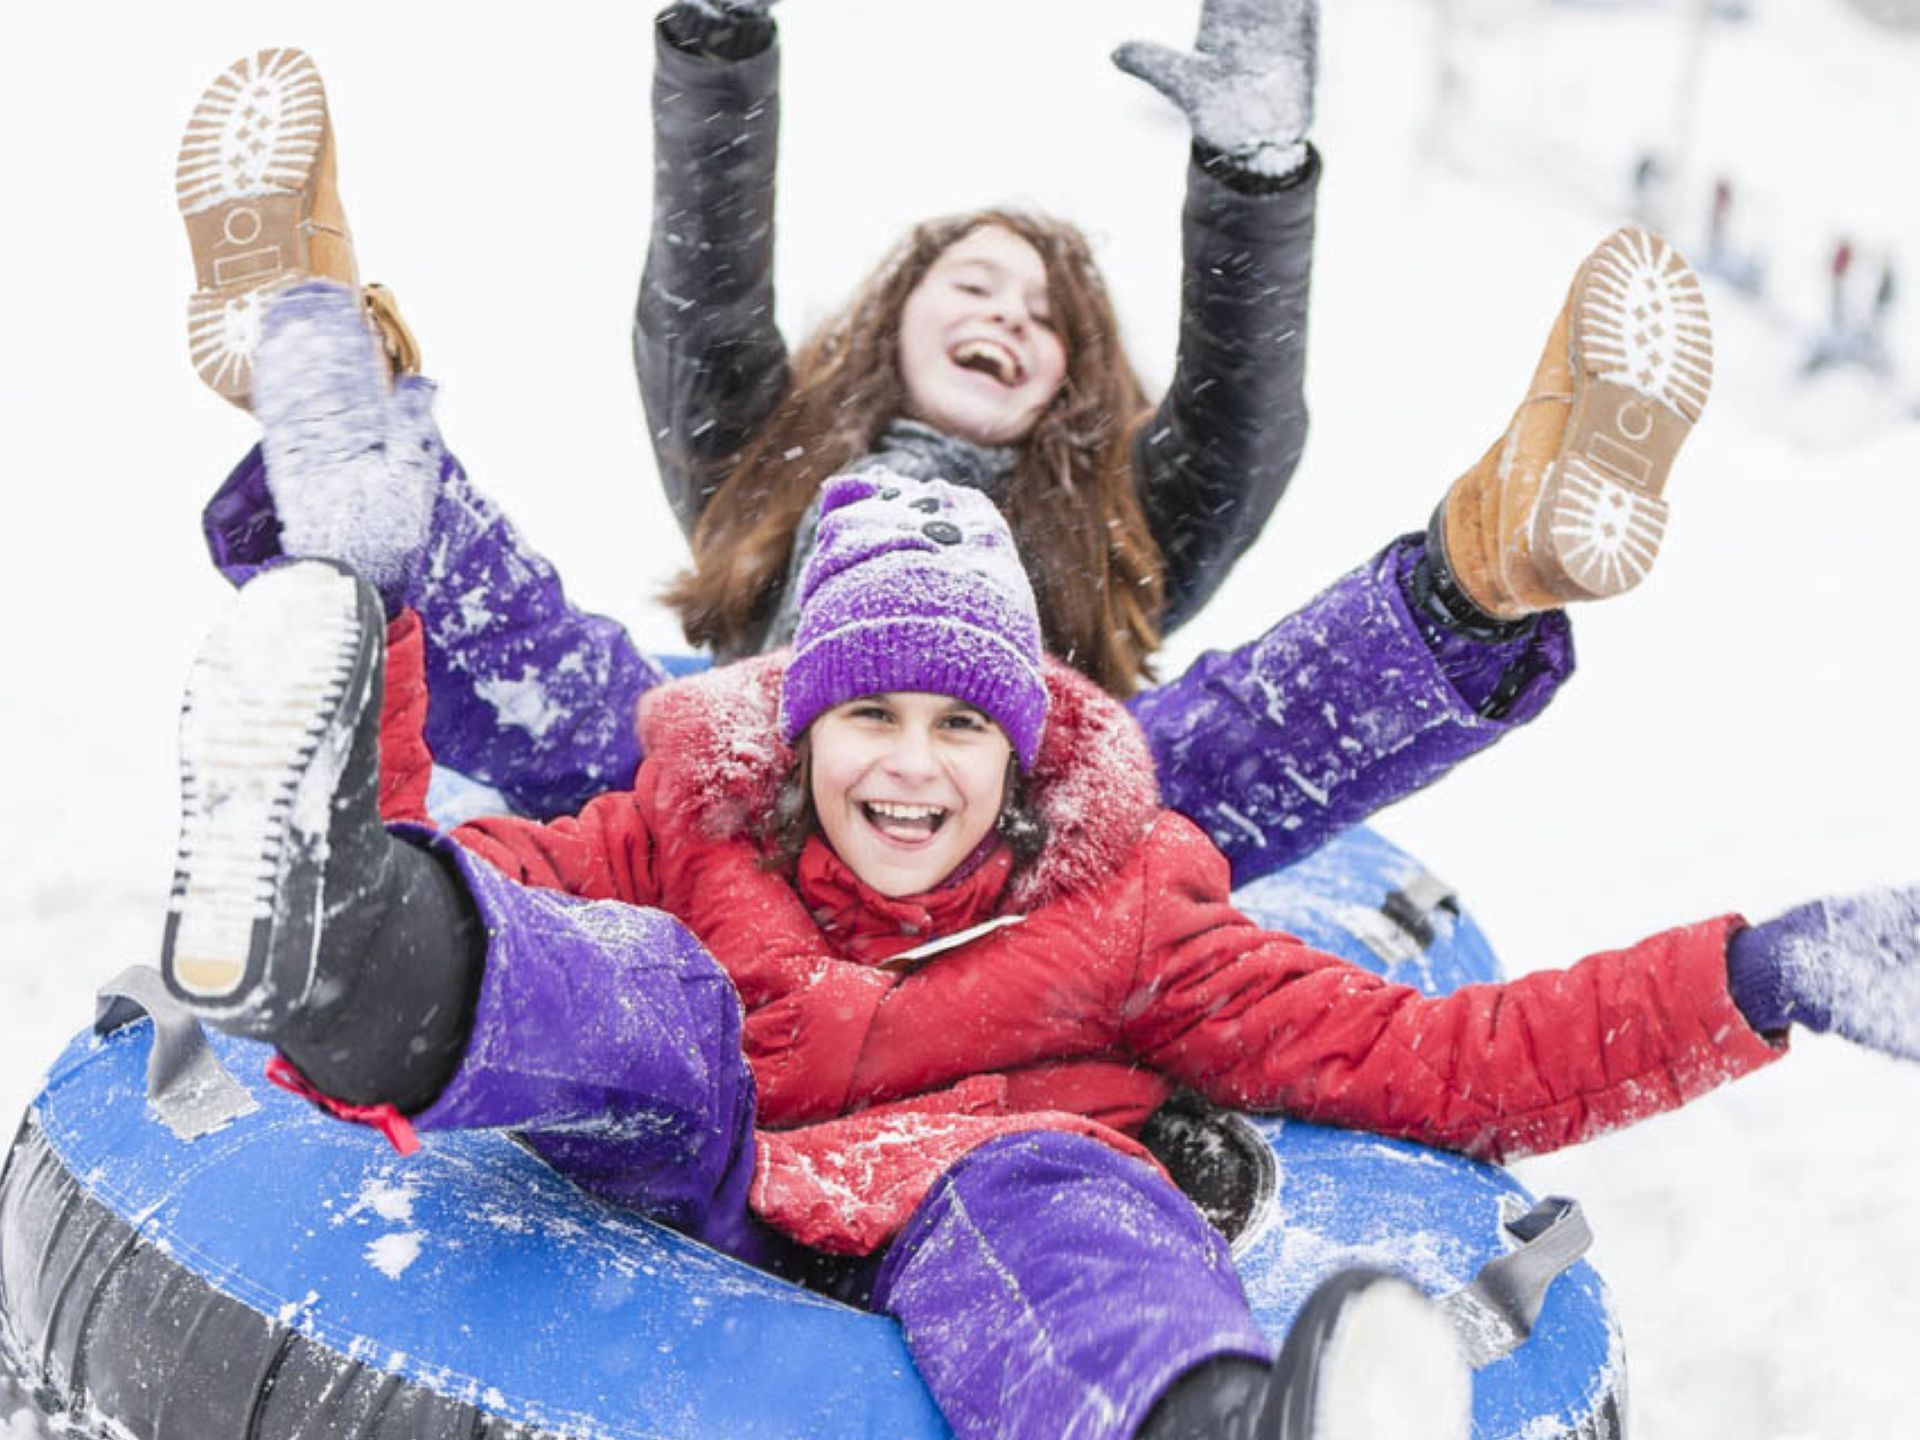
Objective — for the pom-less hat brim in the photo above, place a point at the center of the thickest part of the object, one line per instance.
(931, 655)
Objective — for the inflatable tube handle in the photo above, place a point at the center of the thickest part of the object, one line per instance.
(188, 1087)
(1404, 925)
(1494, 1315)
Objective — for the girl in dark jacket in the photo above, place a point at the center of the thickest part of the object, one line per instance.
(1131, 515)
(972, 952)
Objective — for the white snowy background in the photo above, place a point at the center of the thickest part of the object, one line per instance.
(1742, 734)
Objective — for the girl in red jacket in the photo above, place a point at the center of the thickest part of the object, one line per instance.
(962, 956)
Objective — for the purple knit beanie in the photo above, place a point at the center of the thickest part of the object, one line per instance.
(916, 585)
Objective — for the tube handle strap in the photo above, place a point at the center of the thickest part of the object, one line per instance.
(1495, 1313)
(187, 1086)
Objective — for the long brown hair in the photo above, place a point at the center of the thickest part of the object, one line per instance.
(1071, 500)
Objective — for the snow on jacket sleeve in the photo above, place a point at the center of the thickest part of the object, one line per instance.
(1262, 1022)
(1214, 459)
(530, 694)
(709, 358)
(1336, 712)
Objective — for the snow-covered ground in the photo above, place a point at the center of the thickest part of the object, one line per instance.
(1742, 736)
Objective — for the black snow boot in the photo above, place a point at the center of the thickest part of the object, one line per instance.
(295, 916)
(1220, 1400)
(1369, 1357)
(389, 1024)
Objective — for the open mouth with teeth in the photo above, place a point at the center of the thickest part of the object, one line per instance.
(986, 358)
(908, 824)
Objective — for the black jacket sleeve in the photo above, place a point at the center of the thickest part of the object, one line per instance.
(1218, 453)
(709, 358)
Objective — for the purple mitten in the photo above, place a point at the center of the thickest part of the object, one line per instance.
(1851, 966)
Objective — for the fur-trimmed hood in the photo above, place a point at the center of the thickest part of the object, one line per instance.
(716, 740)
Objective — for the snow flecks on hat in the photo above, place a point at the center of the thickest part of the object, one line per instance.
(916, 585)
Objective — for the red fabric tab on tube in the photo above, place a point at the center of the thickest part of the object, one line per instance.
(384, 1118)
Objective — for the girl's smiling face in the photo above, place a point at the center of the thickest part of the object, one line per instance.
(906, 785)
(979, 354)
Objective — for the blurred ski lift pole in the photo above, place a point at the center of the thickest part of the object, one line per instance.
(1447, 80)
(1686, 107)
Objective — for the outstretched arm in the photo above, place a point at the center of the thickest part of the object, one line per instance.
(1216, 456)
(1260, 1021)
(710, 361)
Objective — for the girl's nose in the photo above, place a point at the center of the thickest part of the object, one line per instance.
(911, 754)
(1010, 312)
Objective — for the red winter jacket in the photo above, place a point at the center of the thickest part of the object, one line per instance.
(1127, 974)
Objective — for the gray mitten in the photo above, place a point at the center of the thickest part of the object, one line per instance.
(1851, 966)
(720, 29)
(353, 465)
(1247, 86)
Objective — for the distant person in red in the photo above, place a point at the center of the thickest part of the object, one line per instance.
(1838, 268)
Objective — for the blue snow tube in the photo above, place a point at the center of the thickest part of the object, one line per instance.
(288, 1275)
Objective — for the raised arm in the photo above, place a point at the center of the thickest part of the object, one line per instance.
(710, 361)
(531, 695)
(1216, 456)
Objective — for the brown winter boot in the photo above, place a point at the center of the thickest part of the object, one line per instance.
(1567, 505)
(396, 340)
(257, 188)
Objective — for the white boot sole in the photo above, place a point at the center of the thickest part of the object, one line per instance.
(1643, 367)
(261, 751)
(1392, 1370)
(1369, 1357)
(247, 159)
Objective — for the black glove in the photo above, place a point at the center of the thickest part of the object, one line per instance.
(1247, 86)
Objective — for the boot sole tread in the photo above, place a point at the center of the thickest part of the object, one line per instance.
(247, 162)
(1643, 368)
(261, 748)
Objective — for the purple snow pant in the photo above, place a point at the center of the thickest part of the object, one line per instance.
(1048, 1286)
(1052, 1286)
